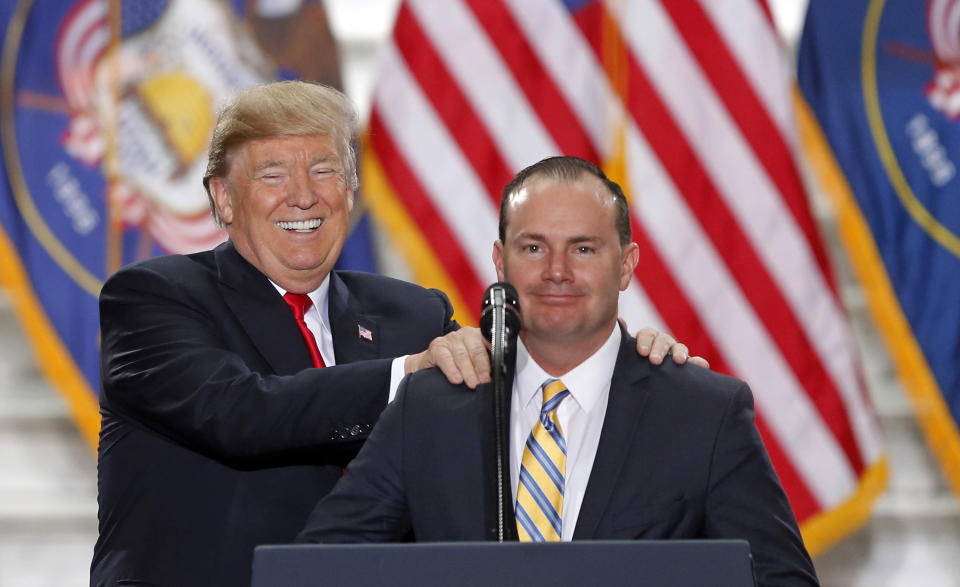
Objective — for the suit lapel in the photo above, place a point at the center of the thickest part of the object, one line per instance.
(619, 427)
(472, 467)
(261, 312)
(356, 336)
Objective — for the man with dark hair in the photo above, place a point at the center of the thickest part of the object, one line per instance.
(238, 382)
(602, 444)
(569, 169)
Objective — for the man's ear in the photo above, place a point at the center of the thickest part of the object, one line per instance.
(221, 199)
(628, 263)
(498, 259)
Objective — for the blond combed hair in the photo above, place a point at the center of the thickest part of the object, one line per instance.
(287, 108)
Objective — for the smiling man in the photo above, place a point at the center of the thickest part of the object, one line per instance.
(603, 444)
(287, 206)
(237, 382)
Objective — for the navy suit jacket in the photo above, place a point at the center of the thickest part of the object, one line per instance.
(679, 457)
(217, 435)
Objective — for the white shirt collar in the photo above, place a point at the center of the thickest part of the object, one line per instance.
(582, 380)
(319, 299)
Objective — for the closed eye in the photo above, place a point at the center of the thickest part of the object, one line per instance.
(324, 169)
(273, 178)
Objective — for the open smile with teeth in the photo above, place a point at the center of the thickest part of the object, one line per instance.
(301, 225)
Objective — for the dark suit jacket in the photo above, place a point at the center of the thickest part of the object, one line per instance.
(217, 434)
(679, 457)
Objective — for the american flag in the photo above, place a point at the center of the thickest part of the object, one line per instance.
(364, 332)
(688, 105)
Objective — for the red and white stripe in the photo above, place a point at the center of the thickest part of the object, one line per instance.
(176, 233)
(471, 91)
(82, 40)
(943, 22)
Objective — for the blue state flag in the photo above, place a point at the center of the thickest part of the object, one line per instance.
(106, 110)
(880, 115)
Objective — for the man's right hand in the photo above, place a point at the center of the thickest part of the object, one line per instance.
(462, 355)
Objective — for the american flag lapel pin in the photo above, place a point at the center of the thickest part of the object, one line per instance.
(364, 333)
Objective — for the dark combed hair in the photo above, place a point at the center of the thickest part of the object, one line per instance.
(568, 169)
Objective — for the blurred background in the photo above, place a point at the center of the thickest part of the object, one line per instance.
(792, 191)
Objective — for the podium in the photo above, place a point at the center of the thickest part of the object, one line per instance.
(676, 563)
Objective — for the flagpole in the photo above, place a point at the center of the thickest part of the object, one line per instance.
(114, 225)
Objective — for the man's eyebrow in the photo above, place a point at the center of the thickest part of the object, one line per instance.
(269, 163)
(325, 158)
(583, 239)
(529, 236)
(572, 240)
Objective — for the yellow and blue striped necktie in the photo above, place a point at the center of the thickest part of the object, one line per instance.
(542, 470)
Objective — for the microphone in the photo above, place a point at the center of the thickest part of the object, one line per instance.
(500, 322)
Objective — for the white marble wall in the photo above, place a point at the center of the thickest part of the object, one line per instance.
(48, 485)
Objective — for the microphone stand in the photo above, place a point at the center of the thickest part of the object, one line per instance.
(498, 341)
(500, 322)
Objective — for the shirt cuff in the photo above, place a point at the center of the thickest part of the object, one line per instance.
(396, 376)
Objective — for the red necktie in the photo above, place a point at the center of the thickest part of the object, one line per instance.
(300, 303)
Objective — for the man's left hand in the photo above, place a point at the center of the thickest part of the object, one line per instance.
(656, 345)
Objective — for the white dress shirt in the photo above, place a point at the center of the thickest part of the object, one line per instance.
(580, 415)
(317, 318)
